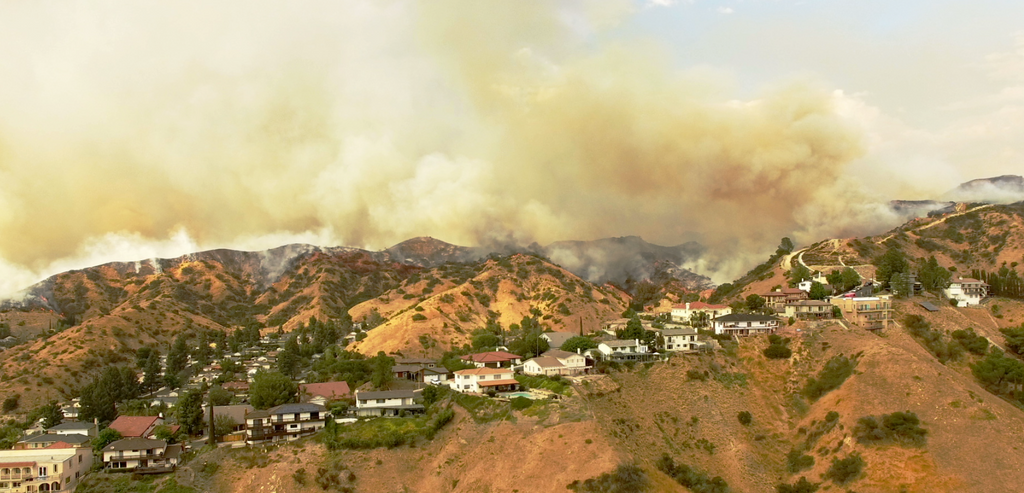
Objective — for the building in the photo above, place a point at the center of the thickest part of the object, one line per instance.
(809, 310)
(677, 340)
(870, 312)
(284, 422)
(480, 380)
(141, 454)
(322, 393)
(683, 312)
(966, 291)
(742, 324)
(236, 413)
(776, 300)
(43, 469)
(53, 440)
(622, 351)
(136, 426)
(556, 339)
(557, 362)
(387, 403)
(494, 359)
(75, 428)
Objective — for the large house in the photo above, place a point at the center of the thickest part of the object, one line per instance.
(809, 310)
(681, 340)
(284, 422)
(494, 359)
(742, 324)
(776, 300)
(871, 312)
(619, 350)
(141, 453)
(966, 291)
(236, 413)
(556, 362)
(322, 393)
(43, 469)
(387, 403)
(683, 312)
(75, 428)
(481, 380)
(53, 440)
(136, 426)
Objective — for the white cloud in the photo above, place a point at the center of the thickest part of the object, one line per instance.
(726, 10)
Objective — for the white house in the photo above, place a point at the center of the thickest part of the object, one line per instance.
(625, 350)
(481, 380)
(556, 362)
(966, 291)
(494, 359)
(745, 324)
(43, 469)
(683, 312)
(284, 422)
(386, 403)
(681, 340)
(75, 428)
(136, 453)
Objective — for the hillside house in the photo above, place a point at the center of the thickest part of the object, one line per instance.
(870, 312)
(776, 300)
(557, 362)
(743, 324)
(683, 312)
(494, 359)
(43, 469)
(387, 403)
(53, 440)
(322, 393)
(429, 363)
(284, 422)
(236, 413)
(480, 380)
(621, 351)
(680, 340)
(141, 454)
(966, 291)
(809, 310)
(556, 339)
(75, 428)
(136, 426)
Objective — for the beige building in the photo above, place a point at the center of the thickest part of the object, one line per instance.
(141, 454)
(809, 310)
(870, 312)
(43, 469)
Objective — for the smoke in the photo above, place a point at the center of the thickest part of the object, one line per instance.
(129, 131)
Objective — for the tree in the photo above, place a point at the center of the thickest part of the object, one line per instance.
(97, 402)
(177, 358)
(700, 319)
(220, 397)
(900, 285)
(801, 486)
(755, 302)
(485, 339)
(933, 276)
(745, 418)
(163, 432)
(786, 245)
(189, 412)
(223, 425)
(818, 291)
(646, 294)
(798, 273)
(11, 403)
(382, 375)
(843, 471)
(106, 437)
(893, 261)
(529, 345)
(271, 388)
(52, 415)
(151, 371)
(634, 329)
(288, 362)
(843, 280)
(578, 342)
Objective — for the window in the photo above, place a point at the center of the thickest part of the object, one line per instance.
(42, 471)
(381, 401)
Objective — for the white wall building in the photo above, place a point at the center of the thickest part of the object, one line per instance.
(386, 403)
(743, 324)
(683, 312)
(556, 362)
(284, 422)
(480, 380)
(966, 291)
(681, 340)
(135, 453)
(43, 469)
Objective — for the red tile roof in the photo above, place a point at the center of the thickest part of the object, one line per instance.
(491, 357)
(329, 390)
(133, 426)
(60, 445)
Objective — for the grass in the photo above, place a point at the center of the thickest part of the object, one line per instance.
(376, 432)
(557, 386)
(483, 409)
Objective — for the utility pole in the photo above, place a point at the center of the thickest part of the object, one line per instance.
(213, 439)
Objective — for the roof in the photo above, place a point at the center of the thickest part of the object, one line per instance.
(700, 305)
(173, 451)
(483, 371)
(60, 444)
(557, 338)
(547, 362)
(809, 303)
(494, 383)
(745, 317)
(73, 425)
(330, 390)
(679, 332)
(236, 412)
(415, 361)
(558, 353)
(793, 291)
(48, 437)
(491, 357)
(297, 408)
(17, 464)
(773, 293)
(968, 280)
(133, 426)
(928, 306)
(387, 394)
(619, 342)
(135, 444)
(406, 368)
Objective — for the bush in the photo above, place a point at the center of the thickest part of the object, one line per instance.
(745, 418)
(843, 471)
(835, 372)
(797, 461)
(11, 403)
(696, 481)
(777, 351)
(300, 477)
(519, 403)
(902, 428)
(801, 486)
(418, 317)
(696, 375)
(627, 478)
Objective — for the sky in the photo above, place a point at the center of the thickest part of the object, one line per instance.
(133, 131)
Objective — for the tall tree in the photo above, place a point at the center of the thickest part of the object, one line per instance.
(52, 415)
(382, 375)
(893, 261)
(189, 412)
(271, 388)
(177, 358)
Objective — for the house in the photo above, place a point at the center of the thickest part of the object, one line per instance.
(53, 440)
(677, 340)
(809, 310)
(870, 312)
(494, 359)
(236, 387)
(776, 300)
(683, 312)
(284, 422)
(141, 454)
(70, 412)
(429, 363)
(136, 426)
(322, 393)
(619, 350)
(741, 324)
(59, 469)
(966, 291)
(236, 413)
(556, 339)
(480, 380)
(556, 362)
(75, 428)
(387, 403)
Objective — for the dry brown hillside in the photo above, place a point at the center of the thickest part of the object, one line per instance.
(438, 308)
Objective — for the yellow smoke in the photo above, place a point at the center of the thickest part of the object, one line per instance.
(367, 123)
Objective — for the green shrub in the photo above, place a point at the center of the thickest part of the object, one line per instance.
(797, 461)
(695, 480)
(835, 372)
(300, 476)
(627, 478)
(419, 317)
(692, 374)
(843, 471)
(519, 403)
(777, 351)
(745, 418)
(902, 428)
(801, 486)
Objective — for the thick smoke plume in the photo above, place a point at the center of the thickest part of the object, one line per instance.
(367, 123)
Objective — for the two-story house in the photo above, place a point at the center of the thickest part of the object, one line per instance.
(683, 312)
(284, 422)
(75, 428)
(556, 362)
(136, 426)
(53, 440)
(494, 359)
(623, 350)
(776, 300)
(324, 392)
(966, 291)
(58, 469)
(387, 403)
(809, 310)
(480, 380)
(742, 324)
(677, 340)
(141, 453)
(870, 312)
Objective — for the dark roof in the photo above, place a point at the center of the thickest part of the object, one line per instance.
(52, 437)
(745, 317)
(928, 306)
(387, 394)
(297, 408)
(135, 444)
(73, 425)
(679, 332)
(491, 357)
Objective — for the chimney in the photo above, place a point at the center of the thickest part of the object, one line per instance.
(687, 305)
